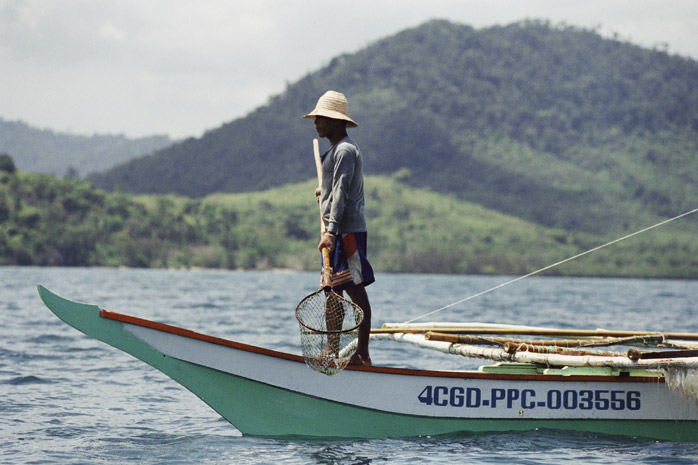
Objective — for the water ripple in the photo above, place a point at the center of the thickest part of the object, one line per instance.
(21, 380)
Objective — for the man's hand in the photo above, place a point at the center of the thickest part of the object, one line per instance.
(327, 241)
(317, 194)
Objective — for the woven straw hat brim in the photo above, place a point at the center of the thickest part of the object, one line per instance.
(331, 114)
(332, 104)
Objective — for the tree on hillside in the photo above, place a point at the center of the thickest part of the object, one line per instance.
(7, 164)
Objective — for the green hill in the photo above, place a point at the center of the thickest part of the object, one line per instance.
(551, 124)
(66, 222)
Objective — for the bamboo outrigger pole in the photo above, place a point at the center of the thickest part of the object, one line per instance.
(529, 331)
(653, 339)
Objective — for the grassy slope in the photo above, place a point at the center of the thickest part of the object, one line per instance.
(417, 230)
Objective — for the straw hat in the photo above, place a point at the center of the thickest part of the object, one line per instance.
(332, 104)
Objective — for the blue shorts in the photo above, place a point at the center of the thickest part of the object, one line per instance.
(349, 263)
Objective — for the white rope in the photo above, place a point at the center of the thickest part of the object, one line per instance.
(553, 265)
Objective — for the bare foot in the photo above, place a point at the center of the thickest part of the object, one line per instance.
(357, 359)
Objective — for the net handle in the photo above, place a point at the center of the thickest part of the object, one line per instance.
(318, 169)
(318, 161)
(326, 269)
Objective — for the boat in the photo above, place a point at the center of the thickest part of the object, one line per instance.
(267, 393)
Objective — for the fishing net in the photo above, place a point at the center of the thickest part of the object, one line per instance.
(329, 325)
(683, 380)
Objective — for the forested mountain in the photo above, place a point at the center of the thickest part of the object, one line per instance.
(553, 124)
(46, 151)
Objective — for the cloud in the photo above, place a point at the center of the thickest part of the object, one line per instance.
(181, 67)
(110, 32)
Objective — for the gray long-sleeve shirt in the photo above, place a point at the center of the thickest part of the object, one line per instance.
(342, 192)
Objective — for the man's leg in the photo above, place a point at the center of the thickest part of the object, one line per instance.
(358, 295)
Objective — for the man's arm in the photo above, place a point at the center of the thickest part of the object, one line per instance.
(344, 167)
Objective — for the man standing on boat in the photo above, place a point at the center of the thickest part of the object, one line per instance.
(342, 208)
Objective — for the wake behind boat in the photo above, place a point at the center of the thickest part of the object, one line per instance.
(268, 393)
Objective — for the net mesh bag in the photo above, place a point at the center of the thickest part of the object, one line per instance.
(329, 325)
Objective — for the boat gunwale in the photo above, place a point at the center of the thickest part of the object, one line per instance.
(175, 330)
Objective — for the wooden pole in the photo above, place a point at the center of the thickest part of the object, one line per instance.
(534, 332)
(318, 169)
(596, 342)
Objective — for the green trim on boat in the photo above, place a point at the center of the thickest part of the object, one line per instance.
(512, 368)
(602, 371)
(262, 410)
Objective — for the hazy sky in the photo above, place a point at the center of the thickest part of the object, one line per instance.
(143, 67)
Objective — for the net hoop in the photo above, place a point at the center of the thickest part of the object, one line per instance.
(328, 331)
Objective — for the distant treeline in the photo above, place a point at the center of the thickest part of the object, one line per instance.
(49, 221)
(46, 151)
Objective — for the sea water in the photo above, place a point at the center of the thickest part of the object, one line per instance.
(68, 399)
